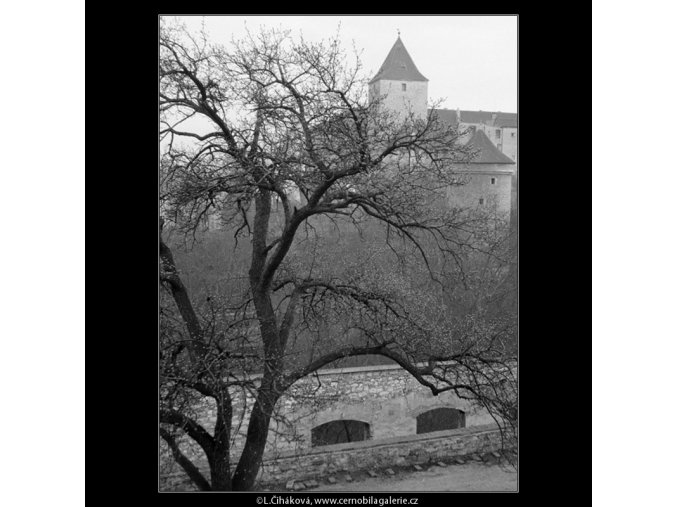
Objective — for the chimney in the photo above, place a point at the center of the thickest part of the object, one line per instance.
(493, 119)
(458, 115)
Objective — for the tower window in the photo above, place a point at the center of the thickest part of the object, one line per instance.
(493, 181)
(404, 87)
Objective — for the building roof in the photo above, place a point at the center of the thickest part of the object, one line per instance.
(398, 66)
(488, 153)
(450, 116)
(476, 117)
(506, 120)
(447, 116)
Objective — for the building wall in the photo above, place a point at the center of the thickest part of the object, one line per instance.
(509, 142)
(477, 184)
(395, 99)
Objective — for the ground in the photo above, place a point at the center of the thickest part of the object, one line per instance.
(467, 477)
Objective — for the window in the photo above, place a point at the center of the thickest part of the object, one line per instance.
(481, 201)
(493, 181)
(404, 87)
(512, 134)
(338, 432)
(439, 419)
(472, 129)
(498, 133)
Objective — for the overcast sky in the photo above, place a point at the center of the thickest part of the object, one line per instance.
(471, 61)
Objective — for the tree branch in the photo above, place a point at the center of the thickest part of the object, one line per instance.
(190, 469)
(170, 276)
(193, 429)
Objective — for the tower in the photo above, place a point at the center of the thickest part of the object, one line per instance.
(487, 178)
(400, 84)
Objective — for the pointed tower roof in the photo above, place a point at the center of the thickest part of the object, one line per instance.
(398, 65)
(488, 153)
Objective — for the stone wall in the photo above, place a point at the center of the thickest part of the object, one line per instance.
(386, 397)
(376, 454)
(351, 457)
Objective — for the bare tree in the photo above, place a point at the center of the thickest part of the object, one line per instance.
(295, 147)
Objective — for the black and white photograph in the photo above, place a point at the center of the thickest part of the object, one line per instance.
(277, 259)
(338, 221)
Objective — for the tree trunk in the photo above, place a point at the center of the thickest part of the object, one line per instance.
(219, 462)
(219, 465)
(257, 433)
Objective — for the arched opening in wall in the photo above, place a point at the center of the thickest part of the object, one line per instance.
(439, 419)
(339, 432)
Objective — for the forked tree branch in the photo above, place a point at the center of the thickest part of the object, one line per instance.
(190, 469)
